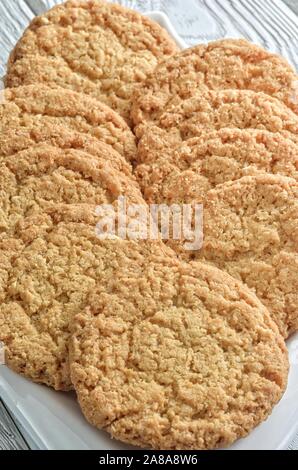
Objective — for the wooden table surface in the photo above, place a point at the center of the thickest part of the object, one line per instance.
(266, 22)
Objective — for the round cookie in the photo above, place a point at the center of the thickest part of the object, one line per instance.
(187, 172)
(225, 64)
(251, 232)
(50, 254)
(38, 106)
(48, 282)
(42, 176)
(94, 47)
(214, 110)
(176, 356)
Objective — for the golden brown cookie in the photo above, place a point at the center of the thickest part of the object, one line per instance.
(185, 173)
(39, 106)
(50, 255)
(225, 64)
(93, 47)
(14, 141)
(175, 356)
(251, 231)
(214, 110)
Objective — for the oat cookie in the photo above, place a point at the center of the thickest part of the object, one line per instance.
(40, 177)
(50, 255)
(176, 356)
(39, 106)
(251, 231)
(14, 141)
(93, 47)
(229, 63)
(48, 282)
(214, 110)
(185, 173)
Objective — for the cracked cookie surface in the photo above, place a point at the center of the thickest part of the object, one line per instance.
(228, 63)
(50, 255)
(169, 174)
(170, 355)
(38, 106)
(251, 232)
(214, 110)
(58, 48)
(27, 138)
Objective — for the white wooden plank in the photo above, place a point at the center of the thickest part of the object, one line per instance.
(293, 4)
(39, 6)
(50, 3)
(15, 16)
(10, 437)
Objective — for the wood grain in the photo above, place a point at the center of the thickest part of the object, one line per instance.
(10, 437)
(293, 4)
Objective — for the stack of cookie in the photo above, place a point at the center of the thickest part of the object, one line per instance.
(166, 349)
(236, 151)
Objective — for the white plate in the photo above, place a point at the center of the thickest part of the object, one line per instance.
(54, 420)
